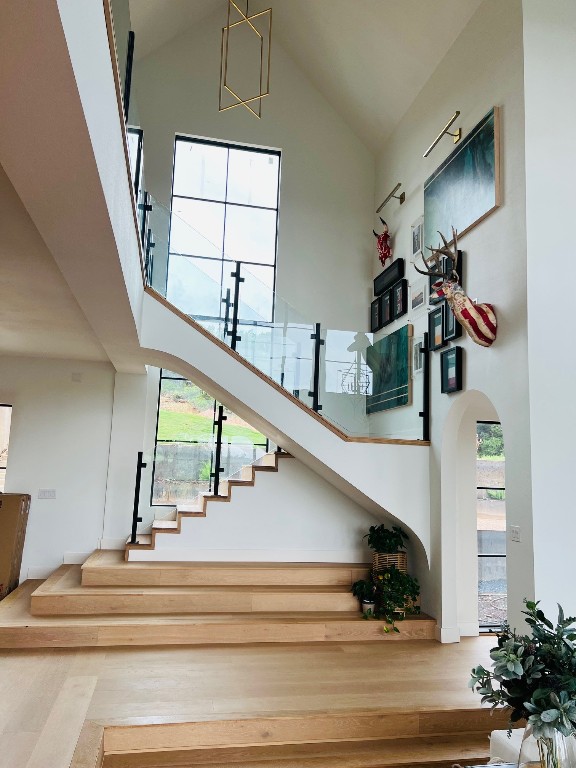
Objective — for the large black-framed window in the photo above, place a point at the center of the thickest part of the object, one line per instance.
(491, 525)
(225, 202)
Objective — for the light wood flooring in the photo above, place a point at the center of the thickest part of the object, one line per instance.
(244, 695)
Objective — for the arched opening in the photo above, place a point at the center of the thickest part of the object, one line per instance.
(459, 522)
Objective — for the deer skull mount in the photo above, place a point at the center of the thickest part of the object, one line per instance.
(478, 320)
(383, 244)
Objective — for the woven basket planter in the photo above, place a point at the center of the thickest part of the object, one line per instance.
(381, 561)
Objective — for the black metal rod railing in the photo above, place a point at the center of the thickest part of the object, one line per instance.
(235, 306)
(135, 518)
(425, 412)
(218, 469)
(315, 393)
(128, 74)
(146, 207)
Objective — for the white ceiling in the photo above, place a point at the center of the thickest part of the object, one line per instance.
(370, 58)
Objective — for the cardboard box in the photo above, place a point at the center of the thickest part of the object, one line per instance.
(14, 508)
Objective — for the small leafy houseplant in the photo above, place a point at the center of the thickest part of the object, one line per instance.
(535, 676)
(386, 540)
(393, 592)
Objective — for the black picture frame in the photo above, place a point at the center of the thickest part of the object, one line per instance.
(375, 316)
(447, 266)
(451, 370)
(399, 298)
(436, 329)
(451, 328)
(386, 313)
(391, 275)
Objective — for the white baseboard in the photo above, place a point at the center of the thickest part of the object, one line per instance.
(469, 629)
(175, 554)
(38, 572)
(447, 634)
(75, 558)
(112, 543)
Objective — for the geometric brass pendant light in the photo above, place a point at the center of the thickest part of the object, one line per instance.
(240, 27)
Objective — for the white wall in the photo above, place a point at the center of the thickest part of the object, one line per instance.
(59, 440)
(483, 68)
(292, 515)
(327, 173)
(550, 73)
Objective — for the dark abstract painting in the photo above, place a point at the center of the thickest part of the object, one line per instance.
(466, 187)
(389, 361)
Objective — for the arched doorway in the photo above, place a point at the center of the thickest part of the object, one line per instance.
(459, 536)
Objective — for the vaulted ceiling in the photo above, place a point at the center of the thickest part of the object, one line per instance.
(370, 58)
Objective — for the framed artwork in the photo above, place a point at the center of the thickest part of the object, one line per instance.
(386, 313)
(375, 316)
(448, 266)
(419, 295)
(400, 298)
(390, 360)
(417, 234)
(451, 327)
(391, 275)
(417, 356)
(436, 329)
(466, 188)
(451, 370)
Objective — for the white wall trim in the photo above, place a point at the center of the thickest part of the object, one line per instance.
(447, 634)
(112, 543)
(38, 572)
(75, 558)
(469, 629)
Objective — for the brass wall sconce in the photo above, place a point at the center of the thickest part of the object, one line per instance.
(401, 196)
(265, 41)
(445, 132)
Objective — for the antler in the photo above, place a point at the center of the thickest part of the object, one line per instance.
(436, 271)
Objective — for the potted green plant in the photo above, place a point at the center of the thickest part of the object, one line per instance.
(394, 594)
(535, 676)
(364, 591)
(388, 544)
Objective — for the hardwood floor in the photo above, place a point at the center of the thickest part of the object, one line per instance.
(249, 694)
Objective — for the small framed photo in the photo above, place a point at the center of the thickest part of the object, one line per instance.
(436, 329)
(452, 328)
(418, 356)
(400, 298)
(386, 313)
(375, 324)
(451, 370)
(419, 295)
(417, 234)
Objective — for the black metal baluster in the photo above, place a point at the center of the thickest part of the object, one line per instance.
(237, 280)
(145, 207)
(227, 304)
(425, 412)
(318, 342)
(218, 458)
(128, 74)
(150, 245)
(135, 519)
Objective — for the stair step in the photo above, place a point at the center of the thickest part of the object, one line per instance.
(63, 593)
(418, 752)
(165, 525)
(108, 568)
(20, 629)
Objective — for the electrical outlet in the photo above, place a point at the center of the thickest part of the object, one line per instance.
(46, 493)
(515, 533)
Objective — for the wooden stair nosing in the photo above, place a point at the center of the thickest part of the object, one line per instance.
(428, 751)
(309, 728)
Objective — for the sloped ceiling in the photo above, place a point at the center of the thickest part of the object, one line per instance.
(370, 58)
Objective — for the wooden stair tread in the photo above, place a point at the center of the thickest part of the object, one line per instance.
(19, 629)
(431, 751)
(103, 558)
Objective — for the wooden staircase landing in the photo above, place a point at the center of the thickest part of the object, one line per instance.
(110, 602)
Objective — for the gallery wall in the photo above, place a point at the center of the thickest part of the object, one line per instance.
(484, 68)
(327, 176)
